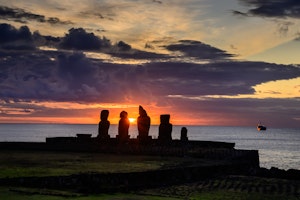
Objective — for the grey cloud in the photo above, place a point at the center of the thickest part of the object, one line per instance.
(76, 39)
(22, 16)
(135, 54)
(198, 49)
(157, 1)
(223, 78)
(239, 13)
(97, 14)
(66, 76)
(74, 77)
(283, 27)
(76, 70)
(123, 46)
(70, 77)
(271, 8)
(79, 39)
(42, 40)
(17, 39)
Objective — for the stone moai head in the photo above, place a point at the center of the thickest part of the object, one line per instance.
(184, 132)
(142, 111)
(123, 114)
(165, 119)
(104, 115)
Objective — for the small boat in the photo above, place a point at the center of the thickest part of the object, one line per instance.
(261, 127)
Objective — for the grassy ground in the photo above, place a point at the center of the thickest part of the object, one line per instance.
(30, 194)
(225, 188)
(44, 163)
(29, 163)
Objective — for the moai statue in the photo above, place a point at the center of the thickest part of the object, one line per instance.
(143, 124)
(103, 125)
(124, 123)
(165, 130)
(183, 135)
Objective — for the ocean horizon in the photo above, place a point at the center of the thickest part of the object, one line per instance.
(278, 147)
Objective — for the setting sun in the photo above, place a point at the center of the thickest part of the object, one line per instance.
(131, 120)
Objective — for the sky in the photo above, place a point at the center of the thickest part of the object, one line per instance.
(204, 62)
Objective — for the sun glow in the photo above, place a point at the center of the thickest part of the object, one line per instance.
(131, 120)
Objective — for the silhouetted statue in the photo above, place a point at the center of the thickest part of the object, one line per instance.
(183, 135)
(124, 123)
(165, 129)
(103, 125)
(143, 124)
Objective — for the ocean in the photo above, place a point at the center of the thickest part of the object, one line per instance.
(277, 147)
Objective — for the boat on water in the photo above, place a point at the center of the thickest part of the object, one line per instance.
(261, 127)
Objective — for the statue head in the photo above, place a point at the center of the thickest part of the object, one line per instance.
(123, 114)
(184, 130)
(142, 111)
(104, 115)
(165, 119)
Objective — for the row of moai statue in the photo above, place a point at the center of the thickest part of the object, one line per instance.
(143, 125)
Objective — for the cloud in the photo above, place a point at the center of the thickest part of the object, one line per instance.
(22, 16)
(76, 39)
(284, 13)
(17, 39)
(157, 1)
(198, 49)
(123, 46)
(283, 27)
(79, 39)
(231, 77)
(272, 8)
(71, 76)
(48, 40)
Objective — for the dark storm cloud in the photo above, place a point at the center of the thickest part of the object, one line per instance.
(42, 40)
(79, 39)
(222, 78)
(22, 16)
(79, 75)
(38, 77)
(63, 76)
(17, 39)
(75, 39)
(123, 46)
(198, 49)
(68, 76)
(272, 8)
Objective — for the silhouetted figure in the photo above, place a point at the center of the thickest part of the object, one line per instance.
(143, 124)
(124, 123)
(165, 129)
(183, 134)
(103, 125)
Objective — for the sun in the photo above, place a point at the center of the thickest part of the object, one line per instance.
(131, 120)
